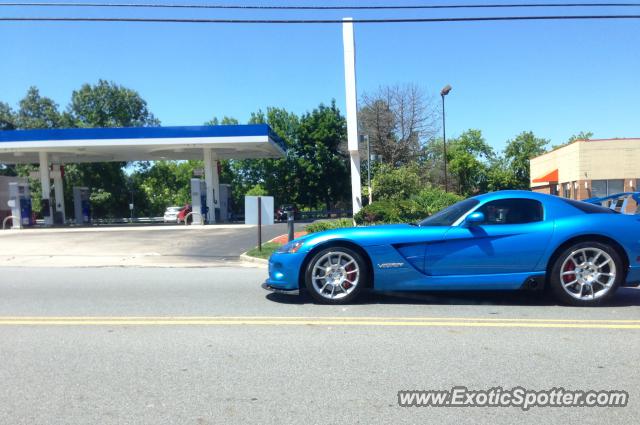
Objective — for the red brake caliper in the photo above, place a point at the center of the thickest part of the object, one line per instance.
(569, 268)
(351, 274)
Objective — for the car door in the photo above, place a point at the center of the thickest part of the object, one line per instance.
(512, 239)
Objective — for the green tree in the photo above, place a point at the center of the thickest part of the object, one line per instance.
(274, 175)
(225, 121)
(257, 190)
(468, 158)
(322, 167)
(499, 175)
(36, 111)
(163, 184)
(431, 162)
(105, 104)
(7, 117)
(517, 155)
(314, 171)
(583, 135)
(7, 122)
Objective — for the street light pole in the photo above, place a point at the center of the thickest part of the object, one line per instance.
(445, 91)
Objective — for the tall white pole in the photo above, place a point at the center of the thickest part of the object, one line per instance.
(212, 180)
(45, 183)
(58, 190)
(352, 111)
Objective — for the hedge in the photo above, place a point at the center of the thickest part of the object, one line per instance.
(321, 226)
(424, 204)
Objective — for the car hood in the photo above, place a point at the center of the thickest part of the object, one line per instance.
(376, 235)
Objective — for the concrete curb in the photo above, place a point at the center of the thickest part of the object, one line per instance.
(74, 261)
(245, 257)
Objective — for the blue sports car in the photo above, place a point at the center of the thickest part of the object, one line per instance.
(498, 241)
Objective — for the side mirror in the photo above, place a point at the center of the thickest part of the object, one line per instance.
(474, 219)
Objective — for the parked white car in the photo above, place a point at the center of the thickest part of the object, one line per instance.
(171, 214)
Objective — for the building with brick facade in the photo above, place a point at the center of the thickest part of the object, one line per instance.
(588, 168)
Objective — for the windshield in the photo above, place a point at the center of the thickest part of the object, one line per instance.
(449, 215)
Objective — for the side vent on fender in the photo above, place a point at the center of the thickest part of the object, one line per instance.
(414, 254)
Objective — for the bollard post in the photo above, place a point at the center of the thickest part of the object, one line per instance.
(290, 223)
(259, 224)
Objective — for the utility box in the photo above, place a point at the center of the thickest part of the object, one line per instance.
(82, 205)
(198, 201)
(20, 204)
(251, 209)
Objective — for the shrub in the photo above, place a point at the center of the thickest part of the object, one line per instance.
(432, 200)
(395, 183)
(321, 226)
(427, 202)
(384, 211)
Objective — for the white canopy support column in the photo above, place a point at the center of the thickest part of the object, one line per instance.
(58, 190)
(352, 112)
(212, 179)
(45, 183)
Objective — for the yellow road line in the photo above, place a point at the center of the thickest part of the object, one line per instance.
(254, 321)
(312, 318)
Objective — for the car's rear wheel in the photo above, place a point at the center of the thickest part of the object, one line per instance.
(336, 275)
(587, 274)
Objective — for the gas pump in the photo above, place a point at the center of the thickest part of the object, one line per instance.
(20, 204)
(81, 205)
(199, 200)
(225, 196)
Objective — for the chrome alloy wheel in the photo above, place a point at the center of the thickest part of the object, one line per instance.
(588, 273)
(335, 275)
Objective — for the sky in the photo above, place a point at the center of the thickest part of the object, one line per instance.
(553, 78)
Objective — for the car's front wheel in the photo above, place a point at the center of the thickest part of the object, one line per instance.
(336, 275)
(587, 274)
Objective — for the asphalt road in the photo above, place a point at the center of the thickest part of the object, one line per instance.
(208, 345)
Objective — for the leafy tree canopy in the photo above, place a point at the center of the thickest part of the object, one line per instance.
(107, 104)
(36, 111)
(7, 117)
(468, 157)
(517, 155)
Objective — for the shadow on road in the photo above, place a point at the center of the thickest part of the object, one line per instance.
(625, 297)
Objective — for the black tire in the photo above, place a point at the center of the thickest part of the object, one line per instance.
(343, 255)
(558, 286)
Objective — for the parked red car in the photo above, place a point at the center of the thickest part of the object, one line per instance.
(183, 213)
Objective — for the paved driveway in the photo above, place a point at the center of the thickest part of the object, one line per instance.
(131, 246)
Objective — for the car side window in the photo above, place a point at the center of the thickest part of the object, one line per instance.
(512, 211)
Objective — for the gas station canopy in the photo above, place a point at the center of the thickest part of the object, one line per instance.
(52, 148)
(74, 145)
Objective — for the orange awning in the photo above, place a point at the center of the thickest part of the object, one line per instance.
(551, 177)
